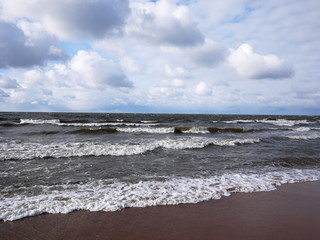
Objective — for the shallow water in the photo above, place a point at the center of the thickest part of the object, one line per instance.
(60, 162)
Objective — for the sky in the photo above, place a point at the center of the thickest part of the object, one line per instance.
(164, 56)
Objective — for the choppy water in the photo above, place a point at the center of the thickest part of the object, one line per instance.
(60, 162)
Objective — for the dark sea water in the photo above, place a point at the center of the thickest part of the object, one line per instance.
(61, 162)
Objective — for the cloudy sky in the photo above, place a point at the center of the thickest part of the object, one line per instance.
(166, 56)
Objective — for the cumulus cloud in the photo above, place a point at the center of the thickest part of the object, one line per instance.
(95, 71)
(87, 69)
(3, 94)
(27, 44)
(69, 19)
(203, 89)
(87, 81)
(255, 66)
(130, 64)
(178, 72)
(165, 23)
(7, 82)
(208, 54)
(178, 83)
(165, 93)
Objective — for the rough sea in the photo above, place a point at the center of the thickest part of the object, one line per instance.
(61, 162)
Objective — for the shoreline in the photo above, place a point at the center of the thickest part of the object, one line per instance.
(290, 212)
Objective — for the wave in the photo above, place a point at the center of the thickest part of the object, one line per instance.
(283, 122)
(22, 151)
(238, 121)
(187, 130)
(149, 121)
(102, 195)
(294, 161)
(77, 123)
(273, 121)
(95, 130)
(8, 124)
(158, 130)
(233, 130)
(162, 130)
(39, 121)
(304, 136)
(302, 129)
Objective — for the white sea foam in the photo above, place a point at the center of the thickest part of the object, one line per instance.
(302, 129)
(162, 130)
(106, 124)
(149, 121)
(197, 130)
(283, 122)
(240, 121)
(103, 196)
(156, 130)
(304, 136)
(39, 121)
(15, 150)
(93, 124)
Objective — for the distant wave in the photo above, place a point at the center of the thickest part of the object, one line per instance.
(105, 196)
(39, 121)
(95, 130)
(238, 121)
(83, 124)
(283, 122)
(149, 121)
(8, 124)
(302, 129)
(276, 122)
(163, 130)
(18, 151)
(304, 136)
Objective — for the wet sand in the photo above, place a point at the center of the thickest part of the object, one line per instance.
(291, 212)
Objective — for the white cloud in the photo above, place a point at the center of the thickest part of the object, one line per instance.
(27, 44)
(3, 94)
(203, 89)
(208, 54)
(209, 13)
(178, 83)
(164, 93)
(97, 72)
(86, 70)
(178, 72)
(173, 52)
(164, 23)
(69, 19)
(87, 81)
(7, 82)
(255, 66)
(130, 64)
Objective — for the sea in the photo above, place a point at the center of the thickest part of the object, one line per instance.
(62, 162)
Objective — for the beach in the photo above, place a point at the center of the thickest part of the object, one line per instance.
(290, 212)
(159, 176)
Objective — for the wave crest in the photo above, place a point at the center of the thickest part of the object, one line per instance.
(19, 151)
(105, 196)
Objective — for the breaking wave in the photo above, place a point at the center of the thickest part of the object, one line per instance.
(283, 122)
(83, 124)
(304, 136)
(17, 151)
(105, 196)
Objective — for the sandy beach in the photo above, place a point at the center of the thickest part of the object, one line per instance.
(291, 212)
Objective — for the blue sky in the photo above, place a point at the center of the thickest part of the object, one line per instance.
(167, 56)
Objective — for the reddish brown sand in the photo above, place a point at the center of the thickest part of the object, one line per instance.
(292, 212)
